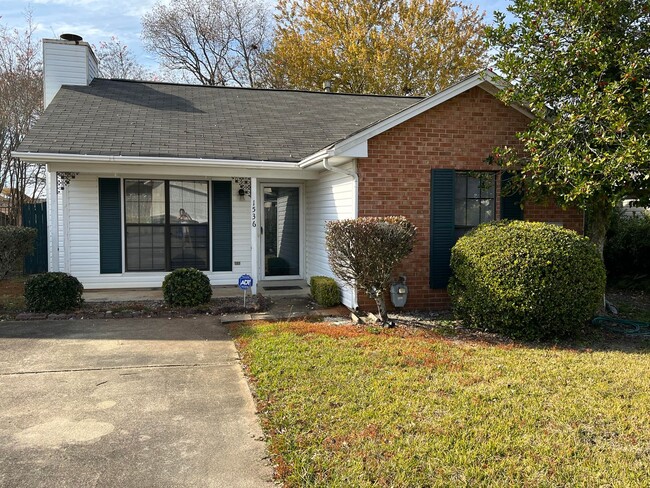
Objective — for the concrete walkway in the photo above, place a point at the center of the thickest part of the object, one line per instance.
(128, 403)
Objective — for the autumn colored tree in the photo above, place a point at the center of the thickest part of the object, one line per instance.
(396, 47)
(583, 69)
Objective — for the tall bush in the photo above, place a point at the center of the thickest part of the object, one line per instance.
(15, 244)
(363, 252)
(526, 279)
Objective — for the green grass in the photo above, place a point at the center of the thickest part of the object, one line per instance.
(346, 407)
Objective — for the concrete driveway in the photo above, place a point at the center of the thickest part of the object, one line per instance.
(128, 403)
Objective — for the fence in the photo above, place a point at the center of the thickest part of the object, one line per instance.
(35, 215)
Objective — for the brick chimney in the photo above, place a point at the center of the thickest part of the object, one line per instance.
(66, 61)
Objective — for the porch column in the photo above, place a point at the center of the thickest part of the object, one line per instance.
(256, 214)
(52, 220)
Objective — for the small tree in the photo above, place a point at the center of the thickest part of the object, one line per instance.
(363, 252)
(583, 69)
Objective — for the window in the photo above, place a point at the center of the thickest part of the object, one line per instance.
(166, 225)
(474, 200)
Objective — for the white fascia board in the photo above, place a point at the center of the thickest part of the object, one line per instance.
(336, 158)
(146, 160)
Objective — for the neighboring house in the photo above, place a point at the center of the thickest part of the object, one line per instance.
(258, 173)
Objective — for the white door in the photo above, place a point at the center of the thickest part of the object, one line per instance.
(280, 232)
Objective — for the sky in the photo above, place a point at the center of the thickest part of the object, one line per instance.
(99, 20)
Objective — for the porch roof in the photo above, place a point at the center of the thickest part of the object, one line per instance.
(148, 119)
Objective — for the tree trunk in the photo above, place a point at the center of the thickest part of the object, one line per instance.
(598, 216)
(381, 308)
(378, 296)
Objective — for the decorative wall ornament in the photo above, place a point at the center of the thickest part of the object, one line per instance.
(63, 179)
(244, 185)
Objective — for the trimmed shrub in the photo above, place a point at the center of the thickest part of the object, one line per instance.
(53, 292)
(15, 244)
(526, 279)
(627, 249)
(363, 252)
(186, 287)
(325, 291)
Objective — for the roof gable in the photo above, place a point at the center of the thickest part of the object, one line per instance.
(355, 145)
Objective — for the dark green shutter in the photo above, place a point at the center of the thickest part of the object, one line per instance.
(110, 226)
(221, 226)
(510, 201)
(442, 226)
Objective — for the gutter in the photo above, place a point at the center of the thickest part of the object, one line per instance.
(45, 158)
(316, 158)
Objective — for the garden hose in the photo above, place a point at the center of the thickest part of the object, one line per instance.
(623, 326)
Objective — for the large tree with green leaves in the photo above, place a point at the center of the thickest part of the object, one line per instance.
(395, 47)
(583, 69)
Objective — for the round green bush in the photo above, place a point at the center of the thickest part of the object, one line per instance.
(528, 280)
(53, 292)
(186, 287)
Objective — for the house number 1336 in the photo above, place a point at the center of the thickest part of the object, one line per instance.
(254, 213)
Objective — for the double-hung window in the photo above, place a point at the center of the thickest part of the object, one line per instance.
(166, 225)
(474, 200)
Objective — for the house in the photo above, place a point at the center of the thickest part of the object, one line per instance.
(236, 180)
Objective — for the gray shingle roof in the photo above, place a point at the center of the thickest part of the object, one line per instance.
(125, 118)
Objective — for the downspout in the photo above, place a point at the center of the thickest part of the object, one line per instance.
(355, 210)
(352, 174)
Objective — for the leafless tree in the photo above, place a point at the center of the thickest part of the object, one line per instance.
(21, 103)
(116, 60)
(218, 42)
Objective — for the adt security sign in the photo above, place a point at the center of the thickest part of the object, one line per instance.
(245, 282)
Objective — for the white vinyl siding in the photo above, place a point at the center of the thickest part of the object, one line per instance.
(79, 241)
(331, 197)
(66, 63)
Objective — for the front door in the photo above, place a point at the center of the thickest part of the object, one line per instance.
(281, 231)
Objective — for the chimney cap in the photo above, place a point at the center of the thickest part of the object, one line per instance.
(71, 37)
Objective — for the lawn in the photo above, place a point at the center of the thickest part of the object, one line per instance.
(345, 406)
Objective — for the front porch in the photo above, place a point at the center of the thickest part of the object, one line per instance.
(276, 288)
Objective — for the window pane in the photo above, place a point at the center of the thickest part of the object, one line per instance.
(473, 187)
(487, 186)
(461, 185)
(461, 218)
(487, 210)
(188, 202)
(145, 201)
(473, 212)
(189, 246)
(145, 248)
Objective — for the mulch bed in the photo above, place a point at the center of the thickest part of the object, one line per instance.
(119, 310)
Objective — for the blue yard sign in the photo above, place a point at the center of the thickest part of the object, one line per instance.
(245, 282)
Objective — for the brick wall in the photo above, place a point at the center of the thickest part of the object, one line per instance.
(395, 178)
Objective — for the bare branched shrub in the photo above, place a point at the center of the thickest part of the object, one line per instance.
(364, 251)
